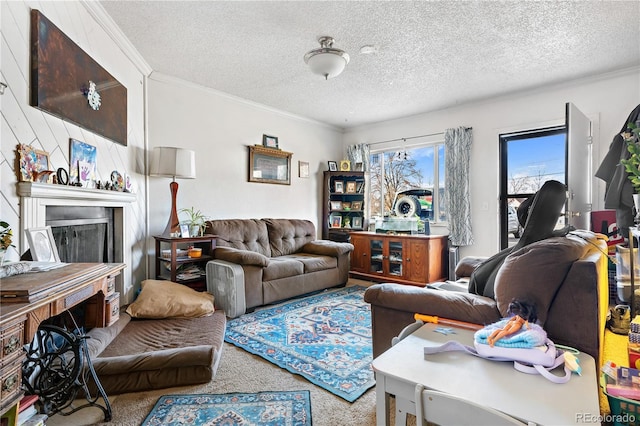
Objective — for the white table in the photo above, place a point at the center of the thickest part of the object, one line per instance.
(530, 398)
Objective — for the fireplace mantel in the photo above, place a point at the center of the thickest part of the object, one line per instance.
(47, 190)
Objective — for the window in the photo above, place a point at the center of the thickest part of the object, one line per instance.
(527, 160)
(414, 174)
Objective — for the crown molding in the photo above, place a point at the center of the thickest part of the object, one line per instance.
(105, 21)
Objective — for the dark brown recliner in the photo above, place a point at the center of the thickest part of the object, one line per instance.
(565, 277)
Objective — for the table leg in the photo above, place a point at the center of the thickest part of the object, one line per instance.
(382, 402)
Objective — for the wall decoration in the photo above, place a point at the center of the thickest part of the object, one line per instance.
(357, 222)
(303, 169)
(42, 245)
(269, 141)
(68, 83)
(82, 163)
(32, 163)
(268, 165)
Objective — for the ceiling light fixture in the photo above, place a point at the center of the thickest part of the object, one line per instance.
(327, 60)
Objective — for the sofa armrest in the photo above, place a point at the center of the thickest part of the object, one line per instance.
(468, 264)
(327, 248)
(446, 304)
(393, 307)
(241, 257)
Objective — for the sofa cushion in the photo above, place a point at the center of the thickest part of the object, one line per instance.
(245, 234)
(287, 236)
(535, 272)
(282, 267)
(154, 354)
(313, 263)
(166, 299)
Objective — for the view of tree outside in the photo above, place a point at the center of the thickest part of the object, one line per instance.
(395, 171)
(533, 161)
(532, 158)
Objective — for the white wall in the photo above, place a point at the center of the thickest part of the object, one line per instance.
(23, 124)
(607, 100)
(219, 128)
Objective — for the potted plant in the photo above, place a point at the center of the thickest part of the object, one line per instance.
(632, 164)
(196, 221)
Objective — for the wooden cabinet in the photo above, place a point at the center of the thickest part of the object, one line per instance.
(405, 259)
(174, 263)
(343, 204)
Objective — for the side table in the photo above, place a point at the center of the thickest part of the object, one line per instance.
(530, 398)
(172, 259)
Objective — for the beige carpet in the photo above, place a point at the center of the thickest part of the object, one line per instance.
(239, 371)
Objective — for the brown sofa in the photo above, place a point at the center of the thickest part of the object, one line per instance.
(564, 277)
(135, 355)
(262, 261)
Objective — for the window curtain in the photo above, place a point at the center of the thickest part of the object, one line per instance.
(457, 145)
(359, 154)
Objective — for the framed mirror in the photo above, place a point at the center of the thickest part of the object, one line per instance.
(268, 165)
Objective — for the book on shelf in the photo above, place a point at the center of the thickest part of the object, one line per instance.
(37, 420)
(26, 414)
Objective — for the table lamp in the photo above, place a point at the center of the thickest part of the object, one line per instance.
(175, 163)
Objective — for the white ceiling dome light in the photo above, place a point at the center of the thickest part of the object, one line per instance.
(327, 60)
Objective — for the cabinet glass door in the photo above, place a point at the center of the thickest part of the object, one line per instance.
(377, 257)
(395, 258)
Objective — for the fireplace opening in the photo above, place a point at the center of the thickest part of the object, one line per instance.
(82, 234)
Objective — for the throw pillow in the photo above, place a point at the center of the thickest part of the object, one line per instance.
(166, 299)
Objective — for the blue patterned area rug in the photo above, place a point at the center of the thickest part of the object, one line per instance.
(325, 338)
(260, 409)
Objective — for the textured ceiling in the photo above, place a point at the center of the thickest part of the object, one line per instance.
(430, 55)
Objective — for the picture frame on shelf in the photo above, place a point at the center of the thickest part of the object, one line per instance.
(345, 166)
(32, 163)
(351, 187)
(270, 141)
(184, 230)
(356, 222)
(333, 166)
(82, 163)
(42, 245)
(346, 205)
(338, 187)
(356, 205)
(336, 221)
(336, 205)
(359, 167)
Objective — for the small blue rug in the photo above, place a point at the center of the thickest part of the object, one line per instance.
(260, 409)
(325, 338)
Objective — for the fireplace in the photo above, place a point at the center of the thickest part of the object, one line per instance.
(76, 214)
(82, 234)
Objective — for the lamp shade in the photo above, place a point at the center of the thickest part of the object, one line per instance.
(327, 60)
(173, 162)
(327, 64)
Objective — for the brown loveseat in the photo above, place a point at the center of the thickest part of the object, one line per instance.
(262, 261)
(564, 277)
